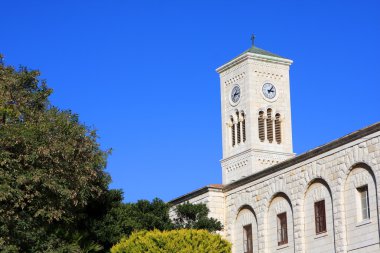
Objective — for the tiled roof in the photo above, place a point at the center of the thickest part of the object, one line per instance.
(219, 186)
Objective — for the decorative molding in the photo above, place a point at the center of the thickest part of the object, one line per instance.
(226, 68)
(246, 153)
(270, 159)
(269, 162)
(234, 79)
(268, 75)
(236, 67)
(236, 166)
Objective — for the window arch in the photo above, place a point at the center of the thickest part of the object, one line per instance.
(261, 126)
(280, 225)
(269, 125)
(277, 128)
(245, 235)
(361, 206)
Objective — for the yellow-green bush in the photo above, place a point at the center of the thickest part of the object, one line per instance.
(173, 241)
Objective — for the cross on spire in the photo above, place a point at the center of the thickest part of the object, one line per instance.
(253, 39)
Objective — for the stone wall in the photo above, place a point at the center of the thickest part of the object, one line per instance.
(332, 175)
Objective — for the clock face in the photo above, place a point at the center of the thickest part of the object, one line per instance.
(269, 90)
(235, 94)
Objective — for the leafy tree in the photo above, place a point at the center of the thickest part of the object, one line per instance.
(51, 168)
(125, 218)
(178, 241)
(195, 216)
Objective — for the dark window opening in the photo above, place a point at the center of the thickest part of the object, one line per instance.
(364, 202)
(269, 126)
(261, 126)
(282, 229)
(277, 128)
(320, 217)
(247, 239)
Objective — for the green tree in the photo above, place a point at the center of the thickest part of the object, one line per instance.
(178, 241)
(195, 216)
(124, 218)
(51, 168)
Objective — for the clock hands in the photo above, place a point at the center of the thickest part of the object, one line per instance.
(236, 93)
(269, 90)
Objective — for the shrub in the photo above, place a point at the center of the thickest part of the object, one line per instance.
(173, 241)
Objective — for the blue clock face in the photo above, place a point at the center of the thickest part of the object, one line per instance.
(235, 94)
(269, 90)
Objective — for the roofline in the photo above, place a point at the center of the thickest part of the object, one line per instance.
(249, 55)
(196, 193)
(307, 155)
(283, 165)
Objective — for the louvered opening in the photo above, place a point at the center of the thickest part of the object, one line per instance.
(238, 128)
(269, 125)
(233, 132)
(261, 126)
(243, 128)
(277, 127)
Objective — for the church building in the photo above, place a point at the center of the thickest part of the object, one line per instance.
(270, 200)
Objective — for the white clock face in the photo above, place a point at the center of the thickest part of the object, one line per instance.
(269, 90)
(235, 94)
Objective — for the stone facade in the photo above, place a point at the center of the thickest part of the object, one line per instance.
(331, 174)
(262, 180)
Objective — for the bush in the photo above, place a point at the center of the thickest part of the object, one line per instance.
(174, 241)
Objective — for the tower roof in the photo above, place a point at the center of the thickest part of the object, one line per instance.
(257, 53)
(256, 50)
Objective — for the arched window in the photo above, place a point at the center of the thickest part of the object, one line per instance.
(269, 125)
(277, 128)
(238, 128)
(233, 132)
(243, 127)
(261, 126)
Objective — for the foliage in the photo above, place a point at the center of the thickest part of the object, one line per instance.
(51, 168)
(174, 241)
(125, 218)
(195, 216)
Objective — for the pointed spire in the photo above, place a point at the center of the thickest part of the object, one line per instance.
(253, 39)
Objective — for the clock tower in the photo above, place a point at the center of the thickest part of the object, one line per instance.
(256, 115)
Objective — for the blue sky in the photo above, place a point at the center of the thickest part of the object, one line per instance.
(143, 74)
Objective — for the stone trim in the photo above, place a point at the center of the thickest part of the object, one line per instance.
(259, 57)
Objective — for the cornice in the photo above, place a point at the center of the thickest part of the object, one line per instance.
(196, 193)
(236, 155)
(258, 57)
(252, 151)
